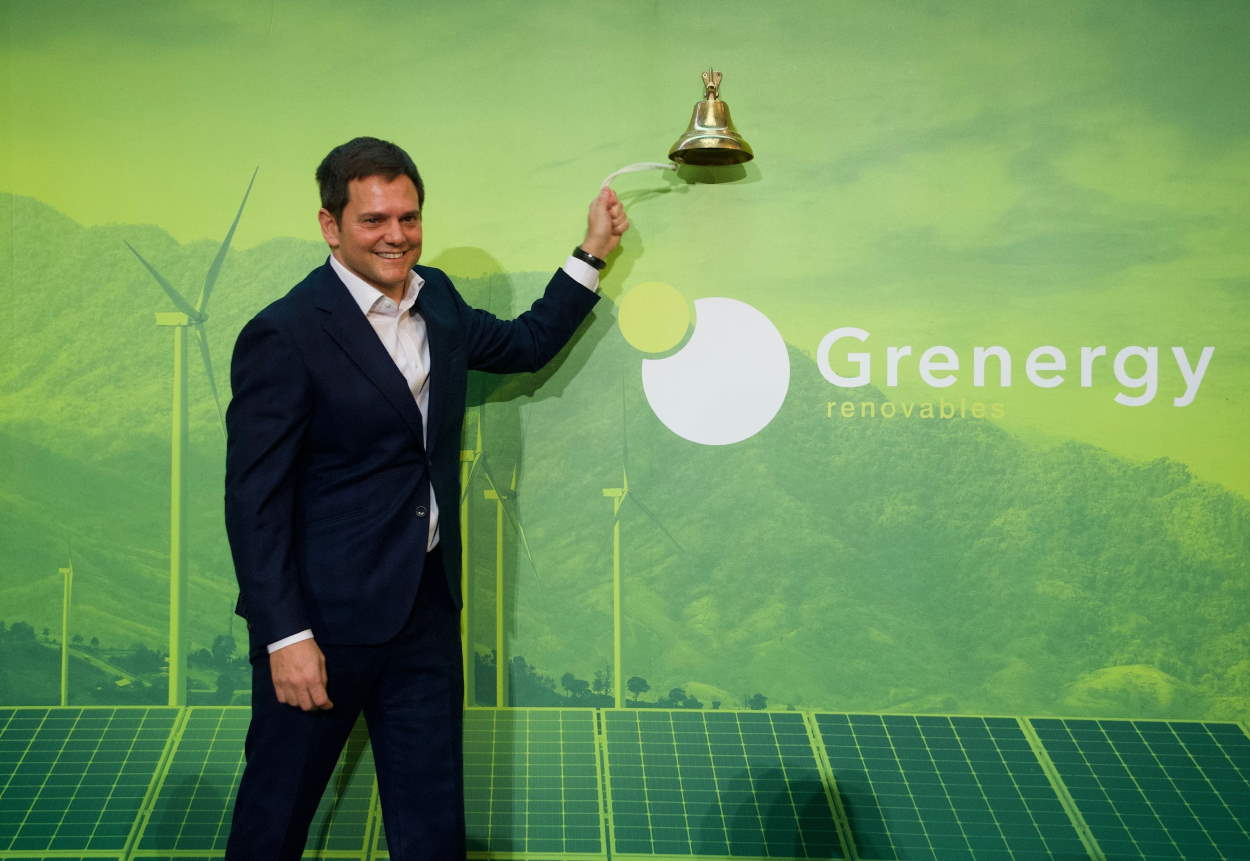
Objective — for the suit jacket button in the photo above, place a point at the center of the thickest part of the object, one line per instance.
(421, 511)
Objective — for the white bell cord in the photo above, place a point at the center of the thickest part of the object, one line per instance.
(638, 166)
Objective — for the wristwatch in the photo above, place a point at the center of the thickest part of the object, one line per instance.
(586, 257)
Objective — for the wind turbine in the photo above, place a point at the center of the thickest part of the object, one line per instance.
(471, 460)
(468, 466)
(619, 495)
(68, 574)
(504, 509)
(188, 316)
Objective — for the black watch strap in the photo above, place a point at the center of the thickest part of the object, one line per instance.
(586, 257)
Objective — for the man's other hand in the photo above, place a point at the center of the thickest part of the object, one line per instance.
(299, 676)
(605, 224)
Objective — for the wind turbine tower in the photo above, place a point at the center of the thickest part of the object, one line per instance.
(619, 495)
(68, 590)
(468, 466)
(503, 497)
(188, 316)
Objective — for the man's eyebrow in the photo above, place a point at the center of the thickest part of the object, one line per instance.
(415, 212)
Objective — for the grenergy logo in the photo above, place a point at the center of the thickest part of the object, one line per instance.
(729, 379)
(726, 383)
(1135, 368)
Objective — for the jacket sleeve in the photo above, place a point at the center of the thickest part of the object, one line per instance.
(532, 339)
(265, 426)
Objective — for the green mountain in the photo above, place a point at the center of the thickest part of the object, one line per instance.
(870, 564)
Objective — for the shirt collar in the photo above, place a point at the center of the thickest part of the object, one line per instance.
(367, 297)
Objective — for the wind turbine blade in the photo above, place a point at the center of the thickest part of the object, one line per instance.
(624, 435)
(174, 295)
(520, 531)
(624, 441)
(633, 497)
(477, 456)
(202, 338)
(482, 425)
(505, 502)
(490, 478)
(468, 482)
(215, 267)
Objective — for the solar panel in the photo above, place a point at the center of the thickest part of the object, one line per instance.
(1154, 788)
(713, 783)
(74, 779)
(945, 787)
(196, 795)
(73, 784)
(531, 783)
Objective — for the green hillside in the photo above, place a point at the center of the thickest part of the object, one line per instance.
(873, 564)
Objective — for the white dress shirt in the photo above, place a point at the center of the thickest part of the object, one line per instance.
(402, 333)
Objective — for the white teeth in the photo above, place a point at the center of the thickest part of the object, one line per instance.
(389, 255)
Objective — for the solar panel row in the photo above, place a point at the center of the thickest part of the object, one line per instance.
(531, 782)
(1155, 789)
(75, 779)
(196, 793)
(934, 787)
(575, 783)
(716, 783)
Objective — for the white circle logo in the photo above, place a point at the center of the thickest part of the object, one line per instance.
(729, 379)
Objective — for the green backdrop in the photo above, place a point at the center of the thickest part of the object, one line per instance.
(954, 174)
(971, 584)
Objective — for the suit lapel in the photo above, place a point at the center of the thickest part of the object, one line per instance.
(439, 335)
(351, 331)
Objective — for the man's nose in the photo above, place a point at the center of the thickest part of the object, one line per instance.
(394, 234)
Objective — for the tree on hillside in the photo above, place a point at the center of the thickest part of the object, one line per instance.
(577, 688)
(226, 684)
(223, 649)
(602, 684)
(483, 693)
(637, 686)
(144, 660)
(757, 702)
(677, 698)
(674, 699)
(527, 686)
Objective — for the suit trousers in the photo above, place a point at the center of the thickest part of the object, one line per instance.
(410, 690)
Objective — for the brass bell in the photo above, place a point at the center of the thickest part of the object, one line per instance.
(711, 138)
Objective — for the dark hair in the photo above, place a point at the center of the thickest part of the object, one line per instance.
(357, 159)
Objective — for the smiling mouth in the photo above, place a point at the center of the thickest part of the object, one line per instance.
(390, 255)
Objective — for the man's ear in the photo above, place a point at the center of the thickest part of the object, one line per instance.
(329, 227)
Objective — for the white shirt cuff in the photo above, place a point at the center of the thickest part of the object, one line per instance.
(305, 634)
(582, 272)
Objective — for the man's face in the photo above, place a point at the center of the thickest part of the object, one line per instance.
(378, 237)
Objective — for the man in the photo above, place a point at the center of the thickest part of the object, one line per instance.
(342, 501)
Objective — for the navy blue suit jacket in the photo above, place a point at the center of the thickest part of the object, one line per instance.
(327, 478)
